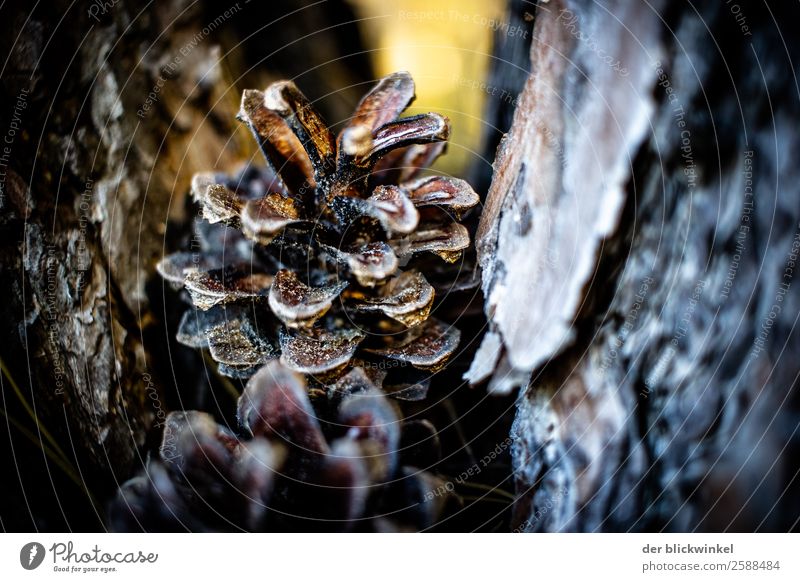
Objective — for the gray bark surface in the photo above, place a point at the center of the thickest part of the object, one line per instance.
(645, 210)
(90, 184)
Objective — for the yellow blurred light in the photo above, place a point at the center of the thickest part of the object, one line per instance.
(445, 45)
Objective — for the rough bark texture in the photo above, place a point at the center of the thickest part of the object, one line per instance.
(645, 209)
(89, 187)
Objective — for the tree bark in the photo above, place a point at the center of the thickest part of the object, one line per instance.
(644, 208)
(111, 126)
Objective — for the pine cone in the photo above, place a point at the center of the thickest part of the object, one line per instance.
(310, 271)
(285, 474)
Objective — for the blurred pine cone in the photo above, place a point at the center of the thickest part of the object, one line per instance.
(296, 468)
(310, 271)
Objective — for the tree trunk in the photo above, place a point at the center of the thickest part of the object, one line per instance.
(645, 210)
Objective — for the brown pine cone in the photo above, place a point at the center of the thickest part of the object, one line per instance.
(311, 269)
(293, 468)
